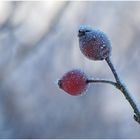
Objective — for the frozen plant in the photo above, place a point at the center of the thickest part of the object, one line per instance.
(95, 45)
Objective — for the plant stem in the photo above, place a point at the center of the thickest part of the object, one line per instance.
(102, 81)
(108, 60)
(125, 91)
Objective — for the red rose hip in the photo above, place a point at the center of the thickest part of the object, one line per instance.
(94, 44)
(74, 82)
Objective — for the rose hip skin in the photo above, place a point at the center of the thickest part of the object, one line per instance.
(74, 82)
(94, 44)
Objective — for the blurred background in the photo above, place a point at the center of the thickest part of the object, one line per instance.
(39, 43)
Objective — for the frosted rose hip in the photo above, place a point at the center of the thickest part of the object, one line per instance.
(74, 82)
(94, 44)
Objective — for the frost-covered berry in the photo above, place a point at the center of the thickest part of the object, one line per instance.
(94, 44)
(74, 82)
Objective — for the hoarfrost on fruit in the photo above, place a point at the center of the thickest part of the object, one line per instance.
(74, 82)
(94, 44)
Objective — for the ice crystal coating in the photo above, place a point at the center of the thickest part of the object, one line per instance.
(74, 82)
(94, 44)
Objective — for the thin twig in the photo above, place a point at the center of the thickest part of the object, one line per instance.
(108, 60)
(101, 81)
(125, 91)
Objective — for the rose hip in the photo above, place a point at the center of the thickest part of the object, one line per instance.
(74, 82)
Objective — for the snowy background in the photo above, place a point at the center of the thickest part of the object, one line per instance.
(39, 43)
